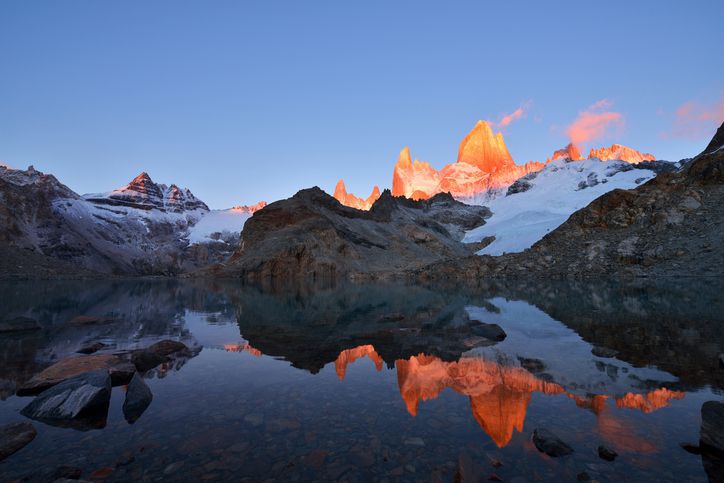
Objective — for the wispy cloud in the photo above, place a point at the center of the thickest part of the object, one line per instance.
(519, 113)
(693, 120)
(594, 123)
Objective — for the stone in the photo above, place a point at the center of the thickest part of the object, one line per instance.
(550, 444)
(156, 354)
(91, 348)
(14, 437)
(87, 394)
(489, 331)
(81, 320)
(121, 371)
(19, 324)
(138, 398)
(604, 352)
(66, 472)
(607, 453)
(583, 476)
(721, 361)
(711, 436)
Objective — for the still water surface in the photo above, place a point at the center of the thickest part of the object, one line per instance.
(379, 382)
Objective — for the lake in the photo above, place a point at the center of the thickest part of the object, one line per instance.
(379, 382)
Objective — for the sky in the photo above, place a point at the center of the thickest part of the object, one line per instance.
(249, 101)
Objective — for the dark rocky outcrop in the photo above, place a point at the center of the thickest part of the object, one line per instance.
(19, 324)
(158, 353)
(312, 235)
(14, 437)
(606, 453)
(138, 398)
(711, 439)
(547, 442)
(80, 402)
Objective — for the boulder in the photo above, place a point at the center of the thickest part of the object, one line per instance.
(550, 444)
(158, 353)
(84, 398)
(712, 426)
(91, 348)
(120, 371)
(607, 453)
(138, 398)
(14, 437)
(489, 331)
(19, 324)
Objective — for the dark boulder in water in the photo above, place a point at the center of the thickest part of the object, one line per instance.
(138, 398)
(550, 444)
(14, 437)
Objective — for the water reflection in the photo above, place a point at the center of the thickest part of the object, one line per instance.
(602, 363)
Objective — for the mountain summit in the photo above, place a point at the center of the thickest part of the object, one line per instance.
(622, 153)
(484, 149)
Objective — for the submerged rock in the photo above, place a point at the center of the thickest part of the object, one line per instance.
(14, 437)
(607, 453)
(19, 324)
(712, 426)
(138, 398)
(489, 331)
(120, 371)
(91, 348)
(158, 353)
(85, 395)
(550, 444)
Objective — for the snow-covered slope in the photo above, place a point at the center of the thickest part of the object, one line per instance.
(541, 201)
(219, 225)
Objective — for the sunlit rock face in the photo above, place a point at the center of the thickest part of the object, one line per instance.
(649, 402)
(483, 164)
(569, 152)
(619, 152)
(499, 395)
(348, 199)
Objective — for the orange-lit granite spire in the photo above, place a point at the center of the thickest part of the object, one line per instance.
(484, 149)
(623, 153)
(348, 356)
(569, 152)
(348, 199)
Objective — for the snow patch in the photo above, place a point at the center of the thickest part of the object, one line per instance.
(218, 221)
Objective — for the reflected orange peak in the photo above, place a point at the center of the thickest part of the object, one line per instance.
(348, 356)
(649, 402)
(243, 347)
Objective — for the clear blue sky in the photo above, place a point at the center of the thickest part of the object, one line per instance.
(242, 101)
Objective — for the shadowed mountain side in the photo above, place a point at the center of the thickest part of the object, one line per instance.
(312, 235)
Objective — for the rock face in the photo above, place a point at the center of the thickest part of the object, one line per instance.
(75, 398)
(669, 226)
(14, 437)
(313, 235)
(348, 199)
(138, 398)
(570, 152)
(483, 165)
(144, 194)
(712, 426)
(621, 153)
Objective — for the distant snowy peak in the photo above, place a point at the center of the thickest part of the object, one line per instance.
(620, 153)
(46, 182)
(143, 193)
(570, 152)
(248, 208)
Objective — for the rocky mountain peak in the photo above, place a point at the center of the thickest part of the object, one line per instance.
(569, 152)
(348, 199)
(622, 153)
(484, 149)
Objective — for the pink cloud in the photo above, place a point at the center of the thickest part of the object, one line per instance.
(594, 123)
(693, 120)
(507, 119)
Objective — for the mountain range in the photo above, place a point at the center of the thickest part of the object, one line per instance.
(483, 170)
(568, 216)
